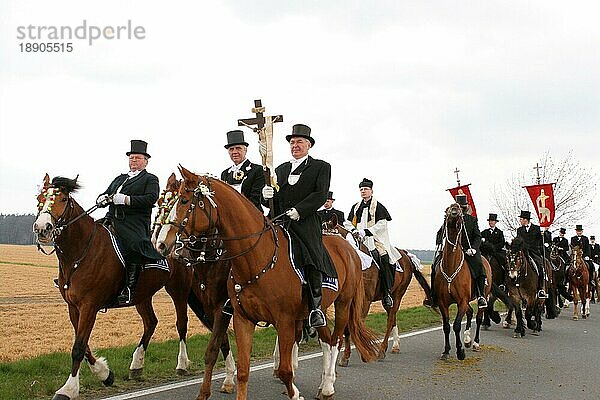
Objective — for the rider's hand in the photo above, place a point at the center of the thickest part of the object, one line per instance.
(268, 192)
(546, 245)
(120, 199)
(471, 252)
(586, 258)
(360, 233)
(103, 200)
(292, 212)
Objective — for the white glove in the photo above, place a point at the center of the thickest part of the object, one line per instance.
(292, 212)
(546, 244)
(359, 232)
(586, 258)
(103, 200)
(268, 192)
(471, 252)
(120, 199)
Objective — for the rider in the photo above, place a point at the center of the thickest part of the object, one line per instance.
(495, 237)
(130, 198)
(303, 186)
(582, 241)
(547, 239)
(246, 177)
(327, 211)
(594, 250)
(532, 241)
(368, 219)
(562, 245)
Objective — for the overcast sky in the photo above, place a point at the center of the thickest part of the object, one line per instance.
(401, 92)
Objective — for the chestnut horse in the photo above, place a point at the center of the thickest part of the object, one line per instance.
(373, 291)
(91, 276)
(208, 293)
(453, 284)
(262, 282)
(578, 277)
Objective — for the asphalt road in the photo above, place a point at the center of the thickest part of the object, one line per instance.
(562, 362)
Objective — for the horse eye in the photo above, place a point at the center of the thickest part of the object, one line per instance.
(184, 201)
(63, 199)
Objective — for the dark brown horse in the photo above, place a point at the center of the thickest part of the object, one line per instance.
(262, 281)
(522, 288)
(498, 280)
(373, 291)
(90, 276)
(453, 284)
(559, 276)
(579, 278)
(208, 293)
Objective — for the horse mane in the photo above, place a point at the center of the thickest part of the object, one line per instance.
(517, 244)
(65, 185)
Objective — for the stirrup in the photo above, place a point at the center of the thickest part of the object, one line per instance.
(227, 308)
(316, 319)
(387, 301)
(55, 280)
(542, 294)
(481, 302)
(502, 287)
(125, 296)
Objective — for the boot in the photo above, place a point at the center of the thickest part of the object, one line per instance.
(126, 295)
(314, 279)
(386, 276)
(541, 292)
(480, 286)
(433, 296)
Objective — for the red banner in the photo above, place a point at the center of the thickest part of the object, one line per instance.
(542, 197)
(464, 189)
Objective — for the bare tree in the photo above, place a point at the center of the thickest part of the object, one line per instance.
(574, 192)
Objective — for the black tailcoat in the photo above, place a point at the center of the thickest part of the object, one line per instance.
(306, 196)
(326, 215)
(583, 242)
(595, 252)
(495, 237)
(132, 222)
(532, 240)
(563, 247)
(252, 181)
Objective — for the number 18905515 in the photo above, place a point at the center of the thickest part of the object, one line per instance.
(46, 47)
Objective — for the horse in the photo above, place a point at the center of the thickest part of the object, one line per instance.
(498, 279)
(522, 287)
(559, 276)
(206, 297)
(263, 284)
(579, 278)
(373, 291)
(91, 276)
(453, 284)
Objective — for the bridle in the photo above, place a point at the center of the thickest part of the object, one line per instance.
(166, 201)
(513, 257)
(456, 244)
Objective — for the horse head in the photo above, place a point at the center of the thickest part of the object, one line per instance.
(453, 224)
(516, 257)
(55, 206)
(165, 203)
(553, 252)
(576, 257)
(331, 225)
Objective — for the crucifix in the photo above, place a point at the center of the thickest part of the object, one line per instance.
(264, 140)
(456, 171)
(537, 170)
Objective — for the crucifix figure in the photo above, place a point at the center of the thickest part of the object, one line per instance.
(456, 171)
(537, 170)
(264, 128)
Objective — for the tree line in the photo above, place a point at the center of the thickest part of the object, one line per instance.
(16, 229)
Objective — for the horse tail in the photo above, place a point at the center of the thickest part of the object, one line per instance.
(196, 305)
(365, 340)
(503, 297)
(550, 304)
(562, 290)
(422, 281)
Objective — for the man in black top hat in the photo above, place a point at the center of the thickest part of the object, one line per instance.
(303, 186)
(562, 245)
(328, 211)
(246, 177)
(368, 219)
(493, 237)
(594, 250)
(582, 241)
(532, 241)
(130, 198)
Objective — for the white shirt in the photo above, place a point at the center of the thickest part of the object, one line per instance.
(296, 163)
(234, 167)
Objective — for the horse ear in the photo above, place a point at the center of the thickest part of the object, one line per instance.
(184, 172)
(334, 220)
(46, 180)
(171, 179)
(75, 180)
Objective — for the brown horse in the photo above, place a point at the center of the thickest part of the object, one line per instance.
(579, 278)
(373, 291)
(522, 288)
(262, 281)
(453, 284)
(559, 276)
(91, 276)
(498, 279)
(208, 293)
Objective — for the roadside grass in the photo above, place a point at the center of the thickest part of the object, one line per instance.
(40, 377)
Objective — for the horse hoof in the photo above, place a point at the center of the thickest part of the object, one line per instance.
(330, 397)
(343, 362)
(516, 335)
(135, 373)
(460, 354)
(584, 316)
(444, 356)
(476, 346)
(468, 344)
(227, 388)
(381, 356)
(575, 318)
(505, 325)
(110, 379)
(181, 372)
(60, 397)
(395, 350)
(319, 395)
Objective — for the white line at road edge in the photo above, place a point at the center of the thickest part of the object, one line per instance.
(198, 381)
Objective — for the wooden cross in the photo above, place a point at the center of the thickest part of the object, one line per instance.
(456, 171)
(259, 121)
(537, 170)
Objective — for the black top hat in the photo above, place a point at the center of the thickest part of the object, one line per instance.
(330, 196)
(578, 227)
(300, 130)
(461, 199)
(525, 214)
(493, 217)
(366, 183)
(138, 147)
(235, 137)
(592, 237)
(563, 230)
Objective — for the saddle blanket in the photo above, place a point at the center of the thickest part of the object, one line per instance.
(366, 260)
(327, 282)
(415, 260)
(160, 264)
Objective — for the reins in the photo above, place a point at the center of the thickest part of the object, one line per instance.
(456, 244)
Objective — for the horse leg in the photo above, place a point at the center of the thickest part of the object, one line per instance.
(395, 340)
(146, 311)
(391, 322)
(244, 331)
(219, 330)
(276, 358)
(486, 323)
(478, 321)
(99, 368)
(508, 318)
(446, 326)
(346, 353)
(285, 333)
(457, 327)
(520, 328)
(575, 303)
(83, 321)
(228, 383)
(469, 313)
